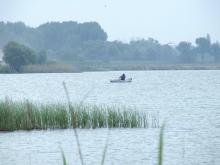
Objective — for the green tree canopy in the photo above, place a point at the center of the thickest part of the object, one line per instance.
(41, 57)
(215, 51)
(17, 55)
(185, 49)
(203, 44)
(72, 41)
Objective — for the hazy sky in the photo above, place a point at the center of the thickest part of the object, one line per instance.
(164, 20)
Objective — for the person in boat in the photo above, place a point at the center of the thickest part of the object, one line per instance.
(122, 77)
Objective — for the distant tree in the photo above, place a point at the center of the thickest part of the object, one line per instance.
(17, 27)
(72, 41)
(203, 46)
(57, 35)
(91, 31)
(17, 55)
(145, 49)
(42, 57)
(185, 49)
(215, 51)
(168, 53)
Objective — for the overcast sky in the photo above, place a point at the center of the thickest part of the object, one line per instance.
(125, 20)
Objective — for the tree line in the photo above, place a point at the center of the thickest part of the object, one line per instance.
(72, 41)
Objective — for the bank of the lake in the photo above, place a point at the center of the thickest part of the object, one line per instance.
(90, 66)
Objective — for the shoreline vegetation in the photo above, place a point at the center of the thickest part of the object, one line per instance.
(29, 116)
(69, 46)
(110, 66)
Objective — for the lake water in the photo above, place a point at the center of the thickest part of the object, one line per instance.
(188, 102)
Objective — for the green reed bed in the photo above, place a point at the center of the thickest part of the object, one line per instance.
(27, 116)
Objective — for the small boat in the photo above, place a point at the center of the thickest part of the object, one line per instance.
(121, 81)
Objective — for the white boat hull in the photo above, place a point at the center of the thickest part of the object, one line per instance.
(121, 81)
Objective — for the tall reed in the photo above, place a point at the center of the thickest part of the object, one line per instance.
(27, 116)
(161, 141)
(74, 123)
(63, 157)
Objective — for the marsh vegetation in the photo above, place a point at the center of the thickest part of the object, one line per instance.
(27, 116)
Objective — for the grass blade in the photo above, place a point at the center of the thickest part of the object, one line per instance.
(74, 128)
(160, 152)
(105, 149)
(64, 158)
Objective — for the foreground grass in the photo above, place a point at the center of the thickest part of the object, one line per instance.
(161, 141)
(28, 116)
(160, 149)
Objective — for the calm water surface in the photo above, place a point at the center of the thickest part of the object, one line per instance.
(189, 102)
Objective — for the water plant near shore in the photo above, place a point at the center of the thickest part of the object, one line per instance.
(27, 116)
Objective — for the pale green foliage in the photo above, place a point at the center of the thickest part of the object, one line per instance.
(17, 55)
